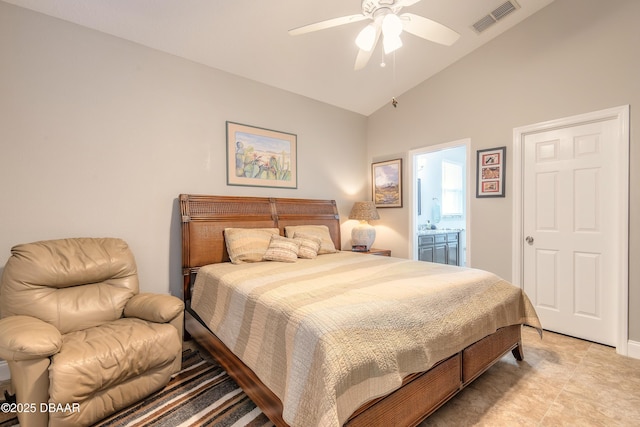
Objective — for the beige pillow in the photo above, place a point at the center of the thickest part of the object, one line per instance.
(248, 244)
(321, 231)
(309, 245)
(282, 249)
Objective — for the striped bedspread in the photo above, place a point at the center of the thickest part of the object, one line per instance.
(329, 334)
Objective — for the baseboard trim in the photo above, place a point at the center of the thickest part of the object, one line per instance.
(5, 374)
(633, 349)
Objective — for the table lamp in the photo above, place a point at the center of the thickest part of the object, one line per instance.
(363, 234)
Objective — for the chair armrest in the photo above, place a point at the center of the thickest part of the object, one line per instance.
(154, 307)
(28, 338)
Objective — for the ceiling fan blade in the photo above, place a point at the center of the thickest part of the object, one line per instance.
(362, 59)
(330, 23)
(363, 55)
(428, 29)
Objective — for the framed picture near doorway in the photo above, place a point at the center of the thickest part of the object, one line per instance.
(490, 172)
(386, 183)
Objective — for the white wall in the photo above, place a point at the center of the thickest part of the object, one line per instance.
(98, 136)
(572, 57)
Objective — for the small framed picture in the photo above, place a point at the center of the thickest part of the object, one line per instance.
(386, 183)
(491, 171)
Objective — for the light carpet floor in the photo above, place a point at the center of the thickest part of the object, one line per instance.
(562, 381)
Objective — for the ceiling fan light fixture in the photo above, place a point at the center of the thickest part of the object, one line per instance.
(391, 25)
(388, 25)
(366, 38)
(391, 30)
(391, 44)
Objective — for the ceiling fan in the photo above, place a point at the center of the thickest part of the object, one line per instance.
(386, 21)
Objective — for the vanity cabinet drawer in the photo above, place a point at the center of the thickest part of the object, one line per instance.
(425, 240)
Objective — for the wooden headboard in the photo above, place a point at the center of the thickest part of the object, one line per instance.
(204, 219)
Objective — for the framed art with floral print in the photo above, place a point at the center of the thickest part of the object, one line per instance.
(491, 171)
(261, 157)
(386, 183)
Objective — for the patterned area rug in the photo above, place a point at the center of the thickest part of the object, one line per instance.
(200, 394)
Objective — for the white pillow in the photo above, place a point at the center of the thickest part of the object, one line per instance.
(282, 249)
(309, 245)
(321, 231)
(248, 244)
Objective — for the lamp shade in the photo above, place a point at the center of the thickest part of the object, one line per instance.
(364, 211)
(363, 234)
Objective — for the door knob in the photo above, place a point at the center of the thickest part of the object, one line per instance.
(529, 240)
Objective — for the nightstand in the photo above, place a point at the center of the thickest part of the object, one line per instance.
(381, 252)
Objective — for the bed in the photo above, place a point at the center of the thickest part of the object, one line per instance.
(402, 384)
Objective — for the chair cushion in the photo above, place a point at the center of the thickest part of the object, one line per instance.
(96, 359)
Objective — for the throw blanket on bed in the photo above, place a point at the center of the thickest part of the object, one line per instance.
(329, 334)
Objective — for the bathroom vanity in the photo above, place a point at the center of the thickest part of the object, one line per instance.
(441, 246)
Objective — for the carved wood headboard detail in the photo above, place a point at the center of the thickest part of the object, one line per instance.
(204, 219)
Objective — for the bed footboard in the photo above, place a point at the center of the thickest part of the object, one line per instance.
(420, 395)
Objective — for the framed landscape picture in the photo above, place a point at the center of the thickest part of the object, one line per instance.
(491, 172)
(386, 183)
(261, 157)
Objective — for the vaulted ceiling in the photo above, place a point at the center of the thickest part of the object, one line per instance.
(250, 38)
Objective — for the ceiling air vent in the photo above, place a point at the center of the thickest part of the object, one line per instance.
(495, 15)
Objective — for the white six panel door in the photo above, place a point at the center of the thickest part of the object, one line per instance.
(568, 186)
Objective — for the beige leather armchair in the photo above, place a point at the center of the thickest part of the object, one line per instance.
(80, 341)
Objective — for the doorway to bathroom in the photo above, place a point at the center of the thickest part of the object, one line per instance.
(440, 199)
